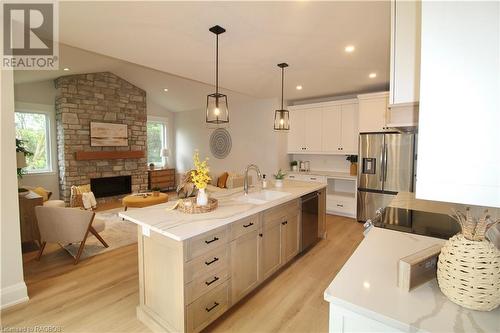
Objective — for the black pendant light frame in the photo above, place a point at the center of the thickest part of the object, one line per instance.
(282, 116)
(217, 99)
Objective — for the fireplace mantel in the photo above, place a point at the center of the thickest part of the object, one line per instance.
(108, 155)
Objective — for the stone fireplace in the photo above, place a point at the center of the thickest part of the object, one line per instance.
(99, 97)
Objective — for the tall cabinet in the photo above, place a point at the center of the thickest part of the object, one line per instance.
(405, 63)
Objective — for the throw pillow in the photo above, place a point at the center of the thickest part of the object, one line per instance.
(221, 182)
(42, 192)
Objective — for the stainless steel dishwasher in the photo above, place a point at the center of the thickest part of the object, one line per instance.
(309, 221)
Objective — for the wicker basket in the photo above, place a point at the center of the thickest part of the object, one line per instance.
(189, 206)
(468, 273)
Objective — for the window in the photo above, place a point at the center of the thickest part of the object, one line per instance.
(157, 140)
(33, 129)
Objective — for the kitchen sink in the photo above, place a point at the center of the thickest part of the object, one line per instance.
(261, 197)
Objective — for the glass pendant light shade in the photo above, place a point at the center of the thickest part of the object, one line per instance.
(281, 120)
(282, 116)
(217, 110)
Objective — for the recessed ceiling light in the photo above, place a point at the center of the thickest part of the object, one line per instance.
(349, 48)
(66, 69)
(299, 87)
(372, 75)
(165, 89)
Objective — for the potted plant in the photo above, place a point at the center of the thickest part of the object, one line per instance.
(156, 191)
(21, 154)
(354, 164)
(294, 165)
(279, 176)
(200, 178)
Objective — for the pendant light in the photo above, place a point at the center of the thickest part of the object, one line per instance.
(217, 111)
(282, 116)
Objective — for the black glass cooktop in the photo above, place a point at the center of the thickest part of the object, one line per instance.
(418, 222)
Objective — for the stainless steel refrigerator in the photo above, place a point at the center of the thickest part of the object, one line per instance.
(386, 167)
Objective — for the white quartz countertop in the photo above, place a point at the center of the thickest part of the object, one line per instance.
(180, 226)
(367, 284)
(328, 174)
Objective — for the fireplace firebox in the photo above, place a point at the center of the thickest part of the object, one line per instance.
(110, 186)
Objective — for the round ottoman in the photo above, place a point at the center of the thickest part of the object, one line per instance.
(140, 201)
(54, 203)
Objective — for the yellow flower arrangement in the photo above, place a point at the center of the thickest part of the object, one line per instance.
(200, 176)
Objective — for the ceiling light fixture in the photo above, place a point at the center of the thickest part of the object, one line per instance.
(372, 75)
(66, 69)
(165, 89)
(349, 48)
(217, 110)
(282, 116)
(299, 87)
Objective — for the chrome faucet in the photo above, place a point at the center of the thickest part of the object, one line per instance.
(245, 183)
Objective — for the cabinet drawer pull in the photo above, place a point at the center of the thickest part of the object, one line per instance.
(313, 178)
(211, 241)
(210, 282)
(247, 225)
(283, 223)
(291, 176)
(212, 307)
(339, 205)
(208, 263)
(260, 235)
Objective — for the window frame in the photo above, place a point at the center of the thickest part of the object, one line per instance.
(48, 140)
(164, 122)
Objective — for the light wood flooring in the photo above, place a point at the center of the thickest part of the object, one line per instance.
(100, 294)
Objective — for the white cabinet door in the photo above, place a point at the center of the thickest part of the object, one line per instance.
(372, 112)
(349, 129)
(405, 51)
(464, 99)
(331, 128)
(313, 129)
(297, 133)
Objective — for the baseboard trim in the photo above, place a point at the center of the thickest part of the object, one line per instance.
(13, 295)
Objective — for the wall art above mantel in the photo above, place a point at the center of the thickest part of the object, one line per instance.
(108, 135)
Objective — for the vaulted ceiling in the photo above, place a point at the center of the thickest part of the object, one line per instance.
(173, 37)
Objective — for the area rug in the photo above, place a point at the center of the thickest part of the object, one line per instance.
(118, 233)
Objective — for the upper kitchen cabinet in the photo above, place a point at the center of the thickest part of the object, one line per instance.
(305, 130)
(459, 144)
(324, 128)
(373, 112)
(405, 64)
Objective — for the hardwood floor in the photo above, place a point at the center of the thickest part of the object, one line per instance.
(100, 293)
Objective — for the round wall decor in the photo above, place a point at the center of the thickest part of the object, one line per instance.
(220, 143)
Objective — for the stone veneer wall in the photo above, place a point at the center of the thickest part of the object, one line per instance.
(98, 97)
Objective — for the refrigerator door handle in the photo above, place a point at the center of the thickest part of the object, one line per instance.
(385, 162)
(382, 167)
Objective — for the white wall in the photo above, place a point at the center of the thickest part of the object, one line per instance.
(13, 289)
(252, 135)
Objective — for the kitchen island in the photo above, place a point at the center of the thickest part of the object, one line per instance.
(364, 296)
(193, 267)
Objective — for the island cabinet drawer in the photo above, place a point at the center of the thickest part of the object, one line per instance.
(289, 208)
(215, 260)
(244, 226)
(206, 242)
(207, 308)
(205, 283)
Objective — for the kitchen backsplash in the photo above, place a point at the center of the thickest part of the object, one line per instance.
(336, 163)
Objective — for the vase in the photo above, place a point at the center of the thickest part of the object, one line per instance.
(468, 274)
(278, 183)
(354, 169)
(202, 198)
